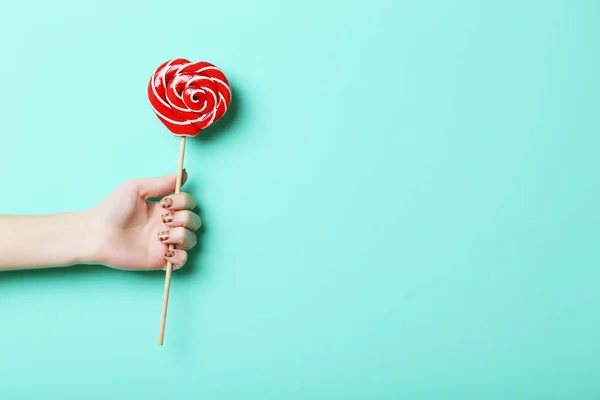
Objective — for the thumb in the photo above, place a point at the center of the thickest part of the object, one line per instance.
(160, 186)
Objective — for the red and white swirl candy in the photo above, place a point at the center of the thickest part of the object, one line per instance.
(187, 97)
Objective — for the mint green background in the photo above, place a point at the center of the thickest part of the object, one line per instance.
(403, 203)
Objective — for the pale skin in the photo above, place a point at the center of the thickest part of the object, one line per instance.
(127, 230)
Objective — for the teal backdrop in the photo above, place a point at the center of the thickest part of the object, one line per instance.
(401, 204)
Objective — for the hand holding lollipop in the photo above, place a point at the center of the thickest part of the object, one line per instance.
(187, 97)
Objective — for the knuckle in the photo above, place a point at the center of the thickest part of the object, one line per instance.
(187, 218)
(179, 234)
(190, 200)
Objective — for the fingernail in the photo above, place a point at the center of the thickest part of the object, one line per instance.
(162, 236)
(169, 253)
(167, 202)
(168, 217)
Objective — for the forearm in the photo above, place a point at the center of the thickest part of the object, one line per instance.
(46, 241)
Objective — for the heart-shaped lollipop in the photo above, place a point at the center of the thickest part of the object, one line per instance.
(187, 97)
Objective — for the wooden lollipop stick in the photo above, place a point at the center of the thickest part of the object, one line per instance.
(163, 317)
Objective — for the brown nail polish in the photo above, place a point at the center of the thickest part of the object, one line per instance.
(169, 253)
(166, 218)
(162, 236)
(167, 202)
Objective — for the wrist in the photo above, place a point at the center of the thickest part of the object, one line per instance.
(86, 233)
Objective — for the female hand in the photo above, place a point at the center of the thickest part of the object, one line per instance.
(134, 232)
(126, 230)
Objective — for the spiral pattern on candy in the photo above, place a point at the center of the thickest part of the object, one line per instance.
(187, 97)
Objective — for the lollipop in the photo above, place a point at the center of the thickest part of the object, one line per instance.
(187, 97)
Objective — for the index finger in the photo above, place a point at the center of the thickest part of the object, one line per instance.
(178, 201)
